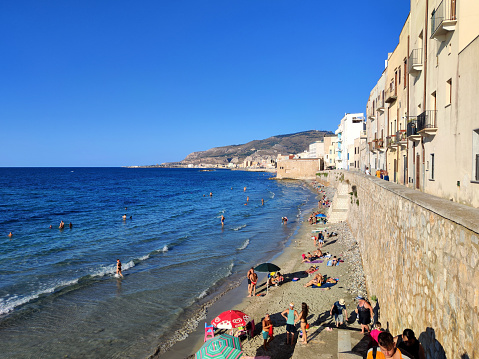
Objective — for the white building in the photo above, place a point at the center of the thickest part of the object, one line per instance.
(348, 130)
(316, 149)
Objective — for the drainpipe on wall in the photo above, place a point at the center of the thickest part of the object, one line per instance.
(425, 92)
(407, 116)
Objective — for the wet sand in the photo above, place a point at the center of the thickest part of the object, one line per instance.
(319, 300)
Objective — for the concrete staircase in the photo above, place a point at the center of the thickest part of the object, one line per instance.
(324, 344)
(338, 212)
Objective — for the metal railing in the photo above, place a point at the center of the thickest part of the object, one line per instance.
(426, 120)
(380, 143)
(446, 10)
(401, 136)
(390, 93)
(411, 128)
(415, 58)
(390, 140)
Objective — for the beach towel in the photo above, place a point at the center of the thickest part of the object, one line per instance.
(315, 261)
(325, 285)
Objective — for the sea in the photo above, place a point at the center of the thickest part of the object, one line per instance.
(60, 296)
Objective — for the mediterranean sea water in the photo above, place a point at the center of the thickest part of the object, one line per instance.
(59, 296)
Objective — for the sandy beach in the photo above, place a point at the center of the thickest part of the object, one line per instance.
(319, 300)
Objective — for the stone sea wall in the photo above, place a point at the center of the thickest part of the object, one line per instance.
(421, 260)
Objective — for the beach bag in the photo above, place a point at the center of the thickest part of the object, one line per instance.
(270, 331)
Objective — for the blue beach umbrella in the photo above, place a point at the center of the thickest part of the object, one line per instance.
(321, 215)
(224, 346)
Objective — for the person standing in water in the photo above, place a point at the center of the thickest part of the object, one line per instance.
(118, 268)
(10, 235)
(262, 201)
(222, 220)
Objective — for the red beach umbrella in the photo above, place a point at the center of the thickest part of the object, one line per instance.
(231, 319)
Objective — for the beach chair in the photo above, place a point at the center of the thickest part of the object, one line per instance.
(209, 332)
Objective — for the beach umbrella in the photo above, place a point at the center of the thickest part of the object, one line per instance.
(224, 346)
(231, 319)
(267, 267)
(321, 215)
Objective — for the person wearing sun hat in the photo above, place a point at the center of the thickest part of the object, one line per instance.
(338, 309)
(291, 315)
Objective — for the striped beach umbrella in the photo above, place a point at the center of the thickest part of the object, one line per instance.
(224, 346)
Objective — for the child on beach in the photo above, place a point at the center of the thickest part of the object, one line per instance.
(267, 331)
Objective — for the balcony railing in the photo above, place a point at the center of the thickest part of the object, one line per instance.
(380, 143)
(426, 121)
(390, 93)
(380, 105)
(443, 19)
(401, 136)
(390, 141)
(412, 128)
(371, 146)
(415, 60)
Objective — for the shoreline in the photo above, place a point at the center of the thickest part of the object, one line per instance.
(289, 259)
(224, 296)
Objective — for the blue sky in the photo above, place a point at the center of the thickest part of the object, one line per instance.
(112, 83)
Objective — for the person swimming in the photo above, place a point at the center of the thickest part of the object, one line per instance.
(10, 235)
(124, 216)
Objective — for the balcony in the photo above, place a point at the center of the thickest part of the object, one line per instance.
(415, 61)
(443, 20)
(380, 144)
(372, 146)
(371, 116)
(391, 141)
(401, 138)
(390, 94)
(411, 131)
(426, 122)
(380, 105)
(363, 135)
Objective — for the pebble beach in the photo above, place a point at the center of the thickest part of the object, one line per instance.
(350, 285)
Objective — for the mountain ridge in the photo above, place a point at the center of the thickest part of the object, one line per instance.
(266, 149)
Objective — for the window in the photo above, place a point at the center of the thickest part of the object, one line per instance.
(431, 168)
(448, 92)
(405, 72)
(399, 76)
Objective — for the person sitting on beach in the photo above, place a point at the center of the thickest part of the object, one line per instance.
(306, 258)
(317, 280)
(318, 253)
(276, 279)
(311, 269)
(335, 261)
(331, 280)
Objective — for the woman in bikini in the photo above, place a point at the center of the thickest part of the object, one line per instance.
(303, 316)
(254, 280)
(317, 280)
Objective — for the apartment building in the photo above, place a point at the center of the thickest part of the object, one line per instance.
(396, 98)
(376, 125)
(349, 129)
(330, 145)
(427, 136)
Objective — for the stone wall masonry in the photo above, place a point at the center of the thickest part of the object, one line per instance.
(420, 256)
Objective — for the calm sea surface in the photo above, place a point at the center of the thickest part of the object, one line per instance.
(59, 296)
